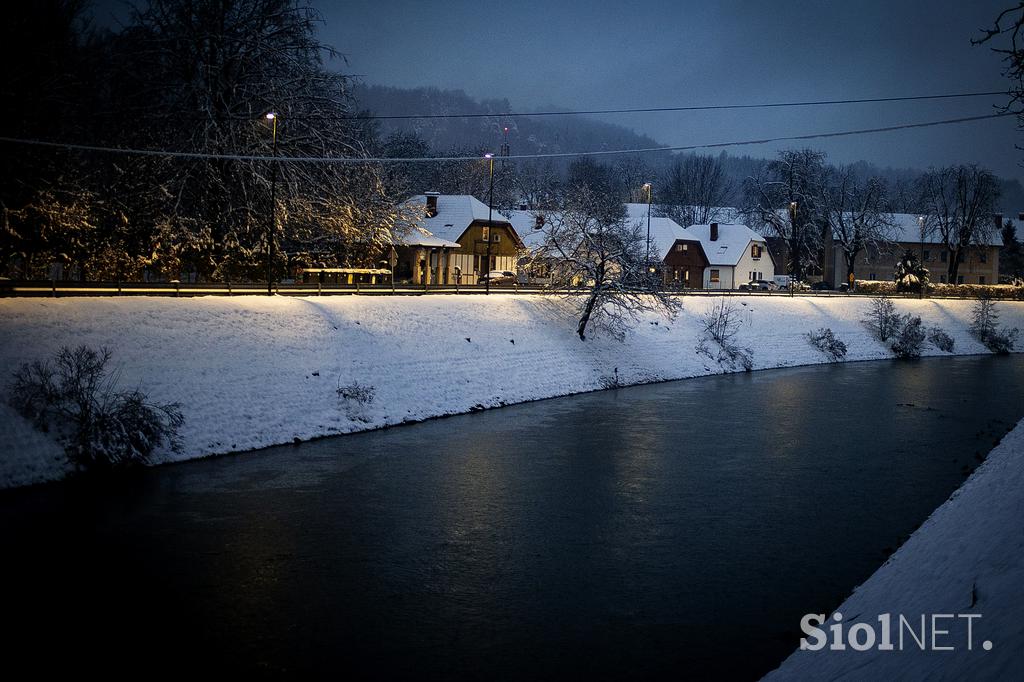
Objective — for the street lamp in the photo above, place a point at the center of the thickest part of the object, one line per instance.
(792, 258)
(490, 227)
(647, 186)
(920, 280)
(272, 223)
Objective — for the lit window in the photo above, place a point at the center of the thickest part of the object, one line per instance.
(714, 275)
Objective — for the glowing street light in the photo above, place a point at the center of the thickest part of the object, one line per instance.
(490, 228)
(272, 223)
(647, 186)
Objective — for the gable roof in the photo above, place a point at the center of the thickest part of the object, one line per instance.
(418, 236)
(664, 231)
(731, 243)
(455, 213)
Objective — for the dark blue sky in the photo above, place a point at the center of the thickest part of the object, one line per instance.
(600, 54)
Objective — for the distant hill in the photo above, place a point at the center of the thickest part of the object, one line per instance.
(560, 134)
(526, 135)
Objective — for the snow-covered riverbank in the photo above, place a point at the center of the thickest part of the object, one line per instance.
(965, 564)
(255, 371)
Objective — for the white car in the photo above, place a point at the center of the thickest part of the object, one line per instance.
(499, 277)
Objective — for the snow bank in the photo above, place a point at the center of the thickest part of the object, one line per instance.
(254, 371)
(967, 558)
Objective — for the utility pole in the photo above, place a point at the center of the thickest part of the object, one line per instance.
(792, 227)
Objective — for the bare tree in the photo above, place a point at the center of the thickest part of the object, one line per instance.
(958, 203)
(593, 246)
(855, 211)
(787, 197)
(1009, 23)
(694, 190)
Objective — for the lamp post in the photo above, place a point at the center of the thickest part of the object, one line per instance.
(272, 223)
(490, 227)
(920, 280)
(647, 263)
(792, 227)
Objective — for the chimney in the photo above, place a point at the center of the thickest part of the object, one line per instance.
(538, 223)
(1020, 216)
(432, 203)
(714, 232)
(997, 218)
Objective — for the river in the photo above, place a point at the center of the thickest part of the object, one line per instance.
(654, 531)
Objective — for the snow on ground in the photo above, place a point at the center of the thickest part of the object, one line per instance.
(967, 558)
(253, 371)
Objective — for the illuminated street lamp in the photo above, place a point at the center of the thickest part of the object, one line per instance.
(490, 227)
(647, 186)
(272, 223)
(792, 221)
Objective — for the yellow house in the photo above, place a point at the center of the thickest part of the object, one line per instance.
(484, 244)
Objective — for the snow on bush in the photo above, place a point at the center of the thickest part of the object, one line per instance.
(721, 326)
(909, 338)
(940, 339)
(985, 328)
(98, 426)
(825, 340)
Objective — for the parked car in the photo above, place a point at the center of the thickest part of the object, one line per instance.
(499, 277)
(821, 286)
(758, 285)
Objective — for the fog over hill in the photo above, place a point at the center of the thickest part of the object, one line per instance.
(561, 134)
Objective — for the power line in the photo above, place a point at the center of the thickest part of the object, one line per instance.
(706, 107)
(552, 155)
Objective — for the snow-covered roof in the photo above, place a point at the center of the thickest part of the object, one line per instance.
(664, 231)
(908, 229)
(419, 236)
(455, 213)
(524, 223)
(731, 243)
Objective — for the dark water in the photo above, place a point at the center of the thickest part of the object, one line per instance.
(655, 531)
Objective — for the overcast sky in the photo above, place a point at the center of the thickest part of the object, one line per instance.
(601, 54)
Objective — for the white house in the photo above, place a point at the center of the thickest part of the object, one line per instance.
(736, 255)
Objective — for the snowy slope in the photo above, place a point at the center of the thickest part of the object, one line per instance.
(967, 558)
(254, 371)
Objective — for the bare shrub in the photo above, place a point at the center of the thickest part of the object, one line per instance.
(99, 427)
(940, 339)
(356, 398)
(985, 328)
(722, 325)
(882, 318)
(825, 340)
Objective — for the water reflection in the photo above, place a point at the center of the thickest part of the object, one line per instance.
(648, 531)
